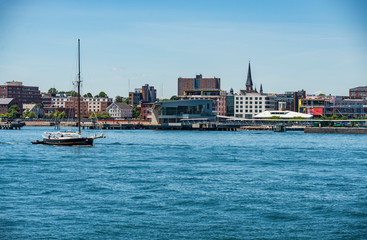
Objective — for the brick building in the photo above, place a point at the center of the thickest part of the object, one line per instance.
(358, 92)
(70, 105)
(20, 93)
(197, 83)
(5, 104)
(217, 96)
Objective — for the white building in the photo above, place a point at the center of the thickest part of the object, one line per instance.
(120, 110)
(250, 104)
(283, 114)
(97, 104)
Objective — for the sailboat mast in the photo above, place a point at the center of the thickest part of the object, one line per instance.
(78, 82)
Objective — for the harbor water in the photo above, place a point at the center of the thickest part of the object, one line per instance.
(145, 184)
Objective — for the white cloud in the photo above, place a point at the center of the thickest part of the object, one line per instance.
(115, 69)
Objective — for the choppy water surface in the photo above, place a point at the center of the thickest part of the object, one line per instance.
(140, 184)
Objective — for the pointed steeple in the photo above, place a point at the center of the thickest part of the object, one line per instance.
(249, 78)
(261, 88)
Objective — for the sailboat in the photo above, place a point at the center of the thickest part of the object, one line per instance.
(68, 138)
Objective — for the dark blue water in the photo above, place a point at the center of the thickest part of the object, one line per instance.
(140, 184)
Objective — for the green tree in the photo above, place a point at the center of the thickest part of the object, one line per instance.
(52, 91)
(102, 95)
(174, 97)
(344, 118)
(136, 112)
(72, 93)
(62, 115)
(13, 112)
(32, 115)
(126, 100)
(103, 115)
(118, 99)
(89, 95)
(26, 113)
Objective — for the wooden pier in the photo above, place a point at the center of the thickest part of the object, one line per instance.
(11, 125)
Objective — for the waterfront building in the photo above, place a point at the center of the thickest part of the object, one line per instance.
(97, 104)
(5, 104)
(250, 102)
(358, 92)
(288, 100)
(20, 93)
(347, 107)
(314, 105)
(198, 83)
(69, 104)
(230, 103)
(217, 96)
(283, 114)
(120, 110)
(145, 110)
(175, 111)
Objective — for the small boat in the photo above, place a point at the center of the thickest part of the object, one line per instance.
(66, 139)
(69, 138)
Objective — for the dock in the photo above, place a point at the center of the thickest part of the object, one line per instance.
(336, 130)
(11, 125)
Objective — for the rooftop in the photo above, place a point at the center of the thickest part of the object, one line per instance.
(361, 88)
(5, 101)
(13, 83)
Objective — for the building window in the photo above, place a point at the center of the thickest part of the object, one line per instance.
(255, 98)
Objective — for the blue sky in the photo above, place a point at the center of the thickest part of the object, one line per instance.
(319, 46)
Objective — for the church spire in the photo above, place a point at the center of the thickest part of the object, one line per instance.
(261, 88)
(249, 78)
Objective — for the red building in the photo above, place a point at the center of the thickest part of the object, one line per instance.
(358, 92)
(20, 93)
(5, 104)
(198, 83)
(72, 103)
(144, 110)
(88, 105)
